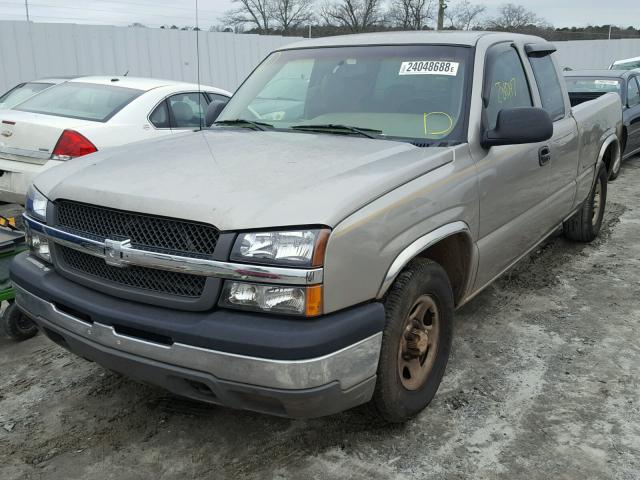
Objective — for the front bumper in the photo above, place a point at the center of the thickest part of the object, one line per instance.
(152, 344)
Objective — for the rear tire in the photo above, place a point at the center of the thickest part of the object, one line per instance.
(585, 225)
(17, 325)
(416, 341)
(615, 169)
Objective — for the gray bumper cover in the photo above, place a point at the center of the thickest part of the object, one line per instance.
(293, 388)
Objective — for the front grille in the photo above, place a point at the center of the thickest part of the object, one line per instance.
(159, 281)
(146, 232)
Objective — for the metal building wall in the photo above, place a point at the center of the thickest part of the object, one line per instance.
(587, 54)
(36, 50)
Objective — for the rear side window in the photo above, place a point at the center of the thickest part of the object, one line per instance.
(549, 86)
(85, 101)
(505, 82)
(633, 93)
(160, 116)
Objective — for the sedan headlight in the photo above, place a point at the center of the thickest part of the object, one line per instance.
(36, 204)
(294, 248)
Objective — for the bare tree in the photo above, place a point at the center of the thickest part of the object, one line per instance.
(254, 12)
(515, 17)
(288, 14)
(354, 15)
(410, 14)
(464, 15)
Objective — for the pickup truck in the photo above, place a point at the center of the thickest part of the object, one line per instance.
(306, 253)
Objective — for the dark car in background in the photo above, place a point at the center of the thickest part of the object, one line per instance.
(585, 85)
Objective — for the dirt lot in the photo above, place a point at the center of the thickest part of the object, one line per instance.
(543, 383)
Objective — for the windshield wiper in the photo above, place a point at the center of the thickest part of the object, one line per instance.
(365, 132)
(248, 123)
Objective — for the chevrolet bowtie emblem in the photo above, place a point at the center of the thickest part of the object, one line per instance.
(113, 252)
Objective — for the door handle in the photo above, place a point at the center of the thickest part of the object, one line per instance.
(544, 155)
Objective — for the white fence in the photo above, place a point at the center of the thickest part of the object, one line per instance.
(586, 54)
(36, 50)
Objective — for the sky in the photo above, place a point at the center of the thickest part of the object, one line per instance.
(560, 13)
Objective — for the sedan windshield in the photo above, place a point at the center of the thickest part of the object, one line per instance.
(405, 92)
(593, 85)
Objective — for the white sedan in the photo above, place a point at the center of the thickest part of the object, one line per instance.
(87, 114)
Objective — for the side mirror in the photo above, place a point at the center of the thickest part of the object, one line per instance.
(519, 125)
(213, 111)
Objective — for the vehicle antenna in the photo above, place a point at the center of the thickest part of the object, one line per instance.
(198, 66)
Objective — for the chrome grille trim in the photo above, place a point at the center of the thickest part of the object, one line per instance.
(177, 263)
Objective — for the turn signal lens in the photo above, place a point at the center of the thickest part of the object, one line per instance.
(72, 144)
(314, 301)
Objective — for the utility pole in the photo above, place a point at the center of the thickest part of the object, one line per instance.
(441, 8)
(610, 31)
(26, 7)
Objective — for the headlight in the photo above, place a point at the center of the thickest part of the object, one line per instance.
(38, 245)
(36, 204)
(305, 301)
(295, 248)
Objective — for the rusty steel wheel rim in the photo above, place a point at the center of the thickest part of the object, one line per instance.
(418, 343)
(597, 204)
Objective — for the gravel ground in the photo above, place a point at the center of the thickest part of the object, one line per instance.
(543, 383)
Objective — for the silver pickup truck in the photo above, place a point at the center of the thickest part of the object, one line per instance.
(306, 253)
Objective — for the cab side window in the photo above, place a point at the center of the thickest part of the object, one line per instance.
(505, 83)
(546, 76)
(633, 92)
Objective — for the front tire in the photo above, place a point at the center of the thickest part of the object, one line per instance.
(416, 341)
(585, 225)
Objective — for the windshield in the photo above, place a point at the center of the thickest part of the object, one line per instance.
(403, 91)
(20, 93)
(85, 101)
(593, 85)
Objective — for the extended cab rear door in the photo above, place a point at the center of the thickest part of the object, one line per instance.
(563, 146)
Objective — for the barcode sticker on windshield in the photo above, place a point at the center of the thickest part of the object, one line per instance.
(429, 67)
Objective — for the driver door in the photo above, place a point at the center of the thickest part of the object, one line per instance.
(513, 186)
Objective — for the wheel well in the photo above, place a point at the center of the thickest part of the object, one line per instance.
(454, 254)
(613, 149)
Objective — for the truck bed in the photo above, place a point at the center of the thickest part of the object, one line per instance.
(576, 98)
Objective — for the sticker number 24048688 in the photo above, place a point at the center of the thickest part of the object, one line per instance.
(429, 67)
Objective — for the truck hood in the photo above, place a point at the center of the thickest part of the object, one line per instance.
(243, 179)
